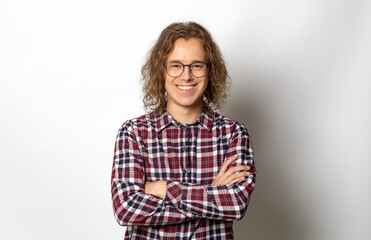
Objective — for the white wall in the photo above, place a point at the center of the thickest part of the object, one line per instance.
(69, 74)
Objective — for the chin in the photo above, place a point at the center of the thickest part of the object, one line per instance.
(190, 103)
(186, 104)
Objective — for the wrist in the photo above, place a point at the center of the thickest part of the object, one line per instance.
(157, 188)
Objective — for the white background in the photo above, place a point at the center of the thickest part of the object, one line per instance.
(70, 71)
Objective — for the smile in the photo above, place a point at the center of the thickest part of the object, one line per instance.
(185, 87)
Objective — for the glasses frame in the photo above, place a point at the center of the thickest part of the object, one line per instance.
(186, 65)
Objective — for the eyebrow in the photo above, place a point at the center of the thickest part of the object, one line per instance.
(194, 61)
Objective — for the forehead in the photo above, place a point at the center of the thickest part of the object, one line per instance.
(187, 50)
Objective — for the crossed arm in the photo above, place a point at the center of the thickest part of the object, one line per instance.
(224, 177)
(137, 202)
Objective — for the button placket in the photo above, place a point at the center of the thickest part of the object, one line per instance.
(184, 149)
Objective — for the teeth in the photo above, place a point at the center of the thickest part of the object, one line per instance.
(185, 87)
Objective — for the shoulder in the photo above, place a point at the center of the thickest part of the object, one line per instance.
(143, 122)
(230, 125)
(223, 121)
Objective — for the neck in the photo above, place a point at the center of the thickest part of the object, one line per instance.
(184, 115)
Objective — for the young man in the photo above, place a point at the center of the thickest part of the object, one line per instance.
(182, 171)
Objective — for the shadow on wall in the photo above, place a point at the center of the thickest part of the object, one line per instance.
(271, 213)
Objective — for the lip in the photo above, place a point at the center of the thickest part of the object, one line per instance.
(185, 88)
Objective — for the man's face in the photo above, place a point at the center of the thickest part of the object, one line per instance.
(186, 91)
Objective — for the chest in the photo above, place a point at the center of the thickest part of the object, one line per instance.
(190, 154)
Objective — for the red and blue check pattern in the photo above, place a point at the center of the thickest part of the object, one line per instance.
(156, 147)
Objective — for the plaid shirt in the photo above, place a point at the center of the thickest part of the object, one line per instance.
(156, 147)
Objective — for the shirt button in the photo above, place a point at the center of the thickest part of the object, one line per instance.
(185, 170)
(183, 149)
(183, 127)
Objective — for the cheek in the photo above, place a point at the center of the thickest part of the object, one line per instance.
(167, 84)
(206, 82)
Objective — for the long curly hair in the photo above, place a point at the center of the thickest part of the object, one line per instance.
(153, 70)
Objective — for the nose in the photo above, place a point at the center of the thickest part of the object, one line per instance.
(187, 75)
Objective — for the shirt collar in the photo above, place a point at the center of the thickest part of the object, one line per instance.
(163, 119)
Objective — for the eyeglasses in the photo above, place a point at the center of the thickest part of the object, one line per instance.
(175, 69)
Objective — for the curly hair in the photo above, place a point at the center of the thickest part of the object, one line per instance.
(153, 70)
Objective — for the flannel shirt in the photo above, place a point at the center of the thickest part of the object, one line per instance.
(156, 147)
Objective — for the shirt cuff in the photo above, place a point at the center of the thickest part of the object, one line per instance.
(173, 192)
(177, 192)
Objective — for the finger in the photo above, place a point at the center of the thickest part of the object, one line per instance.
(222, 176)
(236, 169)
(227, 163)
(237, 180)
(235, 176)
(245, 174)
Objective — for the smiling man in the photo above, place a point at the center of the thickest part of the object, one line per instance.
(182, 171)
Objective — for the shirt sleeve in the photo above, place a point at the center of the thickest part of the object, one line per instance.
(131, 205)
(223, 202)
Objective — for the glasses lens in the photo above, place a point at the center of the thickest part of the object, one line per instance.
(174, 69)
(198, 69)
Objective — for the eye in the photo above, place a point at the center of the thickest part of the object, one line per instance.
(175, 65)
(197, 66)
